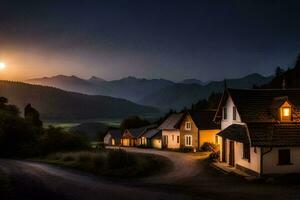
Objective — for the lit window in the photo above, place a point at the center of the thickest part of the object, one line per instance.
(188, 126)
(234, 113)
(286, 114)
(188, 140)
(224, 113)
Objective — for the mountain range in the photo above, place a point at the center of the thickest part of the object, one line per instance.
(57, 104)
(161, 93)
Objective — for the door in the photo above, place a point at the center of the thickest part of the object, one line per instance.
(165, 141)
(231, 154)
(223, 150)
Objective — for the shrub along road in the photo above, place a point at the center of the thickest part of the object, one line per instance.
(190, 178)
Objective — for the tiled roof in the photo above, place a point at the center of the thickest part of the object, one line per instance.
(204, 119)
(274, 134)
(136, 132)
(150, 133)
(115, 133)
(264, 134)
(256, 105)
(171, 122)
(236, 132)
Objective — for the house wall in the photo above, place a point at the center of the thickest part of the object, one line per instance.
(194, 132)
(156, 143)
(172, 144)
(225, 123)
(270, 162)
(208, 136)
(107, 139)
(253, 165)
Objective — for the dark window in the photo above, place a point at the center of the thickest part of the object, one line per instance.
(178, 139)
(246, 151)
(284, 157)
(234, 113)
(224, 113)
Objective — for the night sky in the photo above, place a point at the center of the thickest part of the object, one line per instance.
(208, 40)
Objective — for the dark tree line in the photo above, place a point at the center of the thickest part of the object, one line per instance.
(26, 137)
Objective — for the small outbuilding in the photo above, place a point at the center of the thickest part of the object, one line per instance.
(113, 137)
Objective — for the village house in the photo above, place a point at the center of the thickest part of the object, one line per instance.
(132, 137)
(147, 138)
(260, 130)
(129, 138)
(170, 133)
(197, 128)
(113, 137)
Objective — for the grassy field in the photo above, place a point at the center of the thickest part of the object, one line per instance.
(111, 163)
(5, 186)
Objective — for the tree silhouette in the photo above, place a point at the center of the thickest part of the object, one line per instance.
(32, 115)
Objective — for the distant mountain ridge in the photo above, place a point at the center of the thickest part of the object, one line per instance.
(160, 93)
(181, 95)
(129, 88)
(194, 81)
(57, 104)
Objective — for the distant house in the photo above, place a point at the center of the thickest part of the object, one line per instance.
(113, 137)
(131, 137)
(260, 130)
(156, 141)
(147, 140)
(170, 133)
(196, 128)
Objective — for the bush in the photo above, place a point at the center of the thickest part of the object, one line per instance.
(84, 157)
(119, 158)
(210, 147)
(214, 155)
(56, 140)
(186, 149)
(68, 158)
(99, 161)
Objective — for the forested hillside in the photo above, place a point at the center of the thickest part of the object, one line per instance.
(58, 104)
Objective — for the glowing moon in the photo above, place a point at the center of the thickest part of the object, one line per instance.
(2, 66)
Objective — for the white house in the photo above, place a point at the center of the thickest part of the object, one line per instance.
(170, 133)
(260, 130)
(113, 137)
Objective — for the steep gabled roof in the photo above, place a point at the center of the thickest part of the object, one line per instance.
(115, 133)
(137, 132)
(204, 119)
(171, 122)
(256, 105)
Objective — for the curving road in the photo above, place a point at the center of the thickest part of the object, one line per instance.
(189, 178)
(185, 165)
(36, 181)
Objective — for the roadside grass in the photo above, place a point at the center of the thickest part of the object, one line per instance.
(113, 163)
(6, 189)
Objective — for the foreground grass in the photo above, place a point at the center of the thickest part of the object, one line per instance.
(5, 186)
(111, 163)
